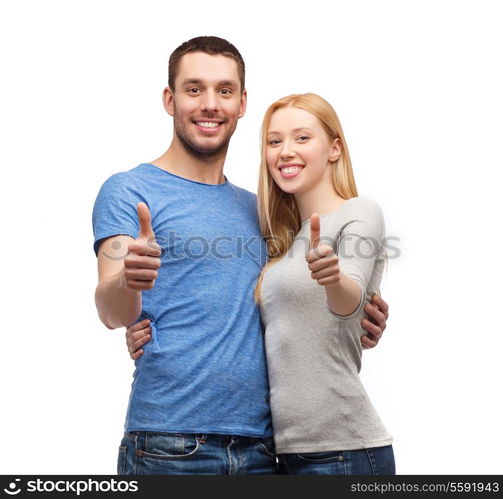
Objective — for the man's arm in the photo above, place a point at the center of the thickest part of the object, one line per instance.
(126, 266)
(141, 333)
(117, 304)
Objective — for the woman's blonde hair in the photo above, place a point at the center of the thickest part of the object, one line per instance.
(278, 211)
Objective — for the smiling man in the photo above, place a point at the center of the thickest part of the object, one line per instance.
(179, 252)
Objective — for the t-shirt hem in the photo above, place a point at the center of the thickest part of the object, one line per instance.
(203, 431)
(334, 446)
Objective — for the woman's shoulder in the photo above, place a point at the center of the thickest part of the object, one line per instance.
(364, 205)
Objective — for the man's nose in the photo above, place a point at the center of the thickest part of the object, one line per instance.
(209, 102)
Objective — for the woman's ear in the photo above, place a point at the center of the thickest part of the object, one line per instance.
(335, 150)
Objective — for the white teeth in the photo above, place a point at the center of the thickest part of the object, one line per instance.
(291, 169)
(207, 124)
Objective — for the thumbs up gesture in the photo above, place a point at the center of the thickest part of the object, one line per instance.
(322, 261)
(143, 258)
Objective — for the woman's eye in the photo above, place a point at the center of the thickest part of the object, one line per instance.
(274, 142)
(303, 137)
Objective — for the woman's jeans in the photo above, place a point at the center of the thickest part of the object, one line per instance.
(373, 461)
(152, 453)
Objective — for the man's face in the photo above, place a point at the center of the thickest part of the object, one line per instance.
(206, 104)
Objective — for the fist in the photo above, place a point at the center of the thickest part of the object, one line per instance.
(321, 259)
(143, 259)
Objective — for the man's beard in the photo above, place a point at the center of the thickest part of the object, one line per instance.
(197, 150)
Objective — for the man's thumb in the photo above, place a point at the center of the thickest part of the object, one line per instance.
(145, 221)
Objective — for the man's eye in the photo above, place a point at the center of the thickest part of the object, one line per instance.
(193, 90)
(225, 91)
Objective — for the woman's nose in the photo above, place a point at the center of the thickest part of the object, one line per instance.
(286, 150)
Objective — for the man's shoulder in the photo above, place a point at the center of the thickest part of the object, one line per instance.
(125, 175)
(123, 179)
(244, 192)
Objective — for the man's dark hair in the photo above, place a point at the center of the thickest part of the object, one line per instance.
(209, 45)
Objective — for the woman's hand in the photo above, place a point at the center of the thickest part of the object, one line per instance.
(321, 259)
(136, 336)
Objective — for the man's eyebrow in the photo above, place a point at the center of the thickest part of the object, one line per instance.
(228, 83)
(198, 81)
(194, 81)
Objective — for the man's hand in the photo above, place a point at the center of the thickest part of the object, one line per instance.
(321, 259)
(378, 314)
(136, 336)
(143, 258)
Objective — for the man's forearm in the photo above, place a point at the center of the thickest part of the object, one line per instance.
(344, 297)
(117, 305)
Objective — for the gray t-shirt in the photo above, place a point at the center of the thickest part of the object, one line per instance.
(317, 400)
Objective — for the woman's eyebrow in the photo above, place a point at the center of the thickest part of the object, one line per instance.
(295, 130)
(302, 128)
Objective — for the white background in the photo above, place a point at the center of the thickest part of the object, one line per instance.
(417, 86)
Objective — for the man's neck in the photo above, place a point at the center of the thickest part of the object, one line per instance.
(207, 170)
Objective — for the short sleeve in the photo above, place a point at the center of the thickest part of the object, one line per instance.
(359, 244)
(114, 211)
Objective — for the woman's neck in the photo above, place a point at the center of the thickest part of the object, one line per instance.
(321, 199)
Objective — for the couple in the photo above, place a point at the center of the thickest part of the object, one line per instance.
(182, 264)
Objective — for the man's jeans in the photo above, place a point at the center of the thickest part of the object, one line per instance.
(152, 453)
(375, 461)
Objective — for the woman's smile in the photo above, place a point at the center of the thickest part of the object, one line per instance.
(290, 170)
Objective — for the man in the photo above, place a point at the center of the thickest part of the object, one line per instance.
(179, 250)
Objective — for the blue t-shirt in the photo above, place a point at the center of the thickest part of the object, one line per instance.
(204, 370)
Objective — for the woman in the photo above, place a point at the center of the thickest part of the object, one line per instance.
(312, 297)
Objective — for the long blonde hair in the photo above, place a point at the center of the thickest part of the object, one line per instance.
(278, 211)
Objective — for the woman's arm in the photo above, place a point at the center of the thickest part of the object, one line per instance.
(347, 275)
(344, 295)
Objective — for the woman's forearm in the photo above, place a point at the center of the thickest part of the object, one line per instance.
(343, 297)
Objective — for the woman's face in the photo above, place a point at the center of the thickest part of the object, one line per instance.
(298, 150)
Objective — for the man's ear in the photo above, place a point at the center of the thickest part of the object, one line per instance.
(242, 105)
(335, 150)
(168, 98)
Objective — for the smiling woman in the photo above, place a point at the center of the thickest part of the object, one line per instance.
(308, 144)
(312, 296)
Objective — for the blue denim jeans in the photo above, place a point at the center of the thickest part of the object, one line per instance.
(373, 461)
(152, 453)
